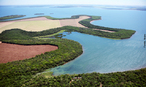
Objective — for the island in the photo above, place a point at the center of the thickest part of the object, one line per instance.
(11, 17)
(27, 72)
(39, 14)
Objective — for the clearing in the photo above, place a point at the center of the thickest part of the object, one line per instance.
(13, 52)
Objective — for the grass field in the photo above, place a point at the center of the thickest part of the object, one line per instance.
(32, 25)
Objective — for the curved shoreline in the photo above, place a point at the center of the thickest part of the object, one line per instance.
(101, 29)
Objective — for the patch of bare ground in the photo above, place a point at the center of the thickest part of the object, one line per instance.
(100, 84)
(13, 52)
(105, 30)
(73, 22)
(68, 22)
(2, 24)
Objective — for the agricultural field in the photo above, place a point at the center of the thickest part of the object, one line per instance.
(40, 23)
(13, 52)
(32, 25)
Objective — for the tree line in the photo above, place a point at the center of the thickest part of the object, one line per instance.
(10, 17)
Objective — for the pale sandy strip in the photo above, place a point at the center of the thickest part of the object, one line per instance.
(2, 24)
(105, 30)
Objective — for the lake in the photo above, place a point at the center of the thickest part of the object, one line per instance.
(101, 55)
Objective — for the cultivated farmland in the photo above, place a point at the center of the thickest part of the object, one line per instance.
(40, 23)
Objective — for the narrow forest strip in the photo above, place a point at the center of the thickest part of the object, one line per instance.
(10, 17)
(61, 31)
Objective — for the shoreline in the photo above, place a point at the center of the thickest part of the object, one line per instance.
(101, 29)
(21, 19)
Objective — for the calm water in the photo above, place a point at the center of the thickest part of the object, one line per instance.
(100, 54)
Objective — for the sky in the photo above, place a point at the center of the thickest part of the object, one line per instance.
(96, 2)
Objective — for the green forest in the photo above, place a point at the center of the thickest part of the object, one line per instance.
(15, 73)
(23, 73)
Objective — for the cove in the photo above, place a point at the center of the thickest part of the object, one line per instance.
(103, 55)
(107, 55)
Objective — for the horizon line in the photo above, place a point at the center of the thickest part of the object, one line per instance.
(71, 4)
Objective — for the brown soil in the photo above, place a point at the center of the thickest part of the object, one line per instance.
(105, 30)
(12, 52)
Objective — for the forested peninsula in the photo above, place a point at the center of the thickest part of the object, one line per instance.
(23, 72)
(95, 30)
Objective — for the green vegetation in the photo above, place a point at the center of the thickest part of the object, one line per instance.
(72, 17)
(135, 78)
(123, 34)
(118, 33)
(25, 72)
(25, 35)
(15, 34)
(11, 17)
(50, 35)
(18, 72)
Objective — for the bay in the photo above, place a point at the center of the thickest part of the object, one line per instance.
(101, 55)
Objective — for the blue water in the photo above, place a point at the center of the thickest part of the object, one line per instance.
(100, 54)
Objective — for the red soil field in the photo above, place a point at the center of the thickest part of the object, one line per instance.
(13, 52)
